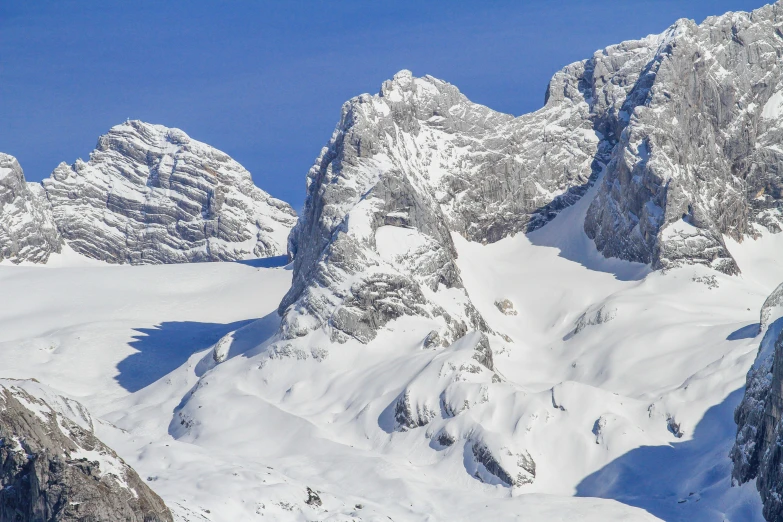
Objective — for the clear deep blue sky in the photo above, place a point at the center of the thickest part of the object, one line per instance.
(264, 81)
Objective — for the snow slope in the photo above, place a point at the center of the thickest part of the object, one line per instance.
(635, 407)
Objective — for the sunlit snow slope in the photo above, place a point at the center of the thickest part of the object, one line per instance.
(617, 382)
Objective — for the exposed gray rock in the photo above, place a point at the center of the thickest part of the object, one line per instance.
(409, 417)
(698, 158)
(27, 229)
(432, 339)
(598, 428)
(313, 499)
(594, 316)
(483, 353)
(674, 427)
(756, 453)
(770, 307)
(505, 306)
(53, 468)
(150, 194)
(445, 439)
(525, 464)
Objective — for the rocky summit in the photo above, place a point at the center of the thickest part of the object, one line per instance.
(481, 306)
(150, 194)
(27, 228)
(678, 132)
(696, 157)
(675, 136)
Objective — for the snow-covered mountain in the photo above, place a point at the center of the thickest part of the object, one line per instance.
(27, 228)
(484, 315)
(678, 164)
(150, 194)
(673, 137)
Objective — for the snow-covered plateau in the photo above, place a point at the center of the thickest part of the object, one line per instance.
(574, 314)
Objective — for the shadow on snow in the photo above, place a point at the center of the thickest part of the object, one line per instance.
(165, 347)
(265, 262)
(746, 332)
(684, 481)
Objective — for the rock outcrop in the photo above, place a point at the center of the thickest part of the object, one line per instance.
(27, 229)
(55, 469)
(374, 242)
(757, 453)
(418, 161)
(697, 159)
(150, 194)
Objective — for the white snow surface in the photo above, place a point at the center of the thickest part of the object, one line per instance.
(626, 419)
(774, 106)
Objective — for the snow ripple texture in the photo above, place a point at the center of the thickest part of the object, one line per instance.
(151, 195)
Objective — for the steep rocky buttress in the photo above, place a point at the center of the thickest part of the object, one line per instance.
(757, 451)
(55, 469)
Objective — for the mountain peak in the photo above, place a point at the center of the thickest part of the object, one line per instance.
(152, 194)
(28, 232)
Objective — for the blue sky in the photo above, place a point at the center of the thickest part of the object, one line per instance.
(264, 81)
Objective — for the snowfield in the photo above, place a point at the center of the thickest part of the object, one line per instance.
(618, 383)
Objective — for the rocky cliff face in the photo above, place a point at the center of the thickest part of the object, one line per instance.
(374, 243)
(757, 452)
(55, 469)
(697, 158)
(418, 161)
(678, 129)
(27, 229)
(150, 194)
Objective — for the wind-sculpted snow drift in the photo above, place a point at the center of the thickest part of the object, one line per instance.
(55, 469)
